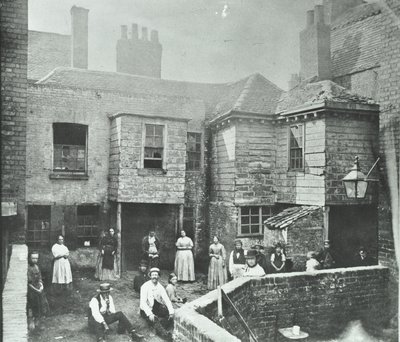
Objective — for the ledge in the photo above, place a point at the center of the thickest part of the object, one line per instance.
(69, 176)
(151, 172)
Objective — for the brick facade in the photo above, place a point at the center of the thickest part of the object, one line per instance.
(13, 55)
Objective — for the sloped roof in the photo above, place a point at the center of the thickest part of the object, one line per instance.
(47, 51)
(288, 216)
(322, 92)
(253, 94)
(356, 38)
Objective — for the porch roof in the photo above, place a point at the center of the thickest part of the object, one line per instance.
(288, 216)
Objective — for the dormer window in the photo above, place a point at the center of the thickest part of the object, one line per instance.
(296, 147)
(154, 146)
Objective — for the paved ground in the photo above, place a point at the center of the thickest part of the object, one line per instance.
(68, 321)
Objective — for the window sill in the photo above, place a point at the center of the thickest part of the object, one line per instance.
(151, 172)
(253, 236)
(68, 175)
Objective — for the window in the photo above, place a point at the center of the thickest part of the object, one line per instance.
(193, 151)
(154, 146)
(87, 229)
(188, 221)
(38, 234)
(296, 144)
(251, 220)
(69, 142)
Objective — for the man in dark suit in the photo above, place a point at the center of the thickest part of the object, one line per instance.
(151, 249)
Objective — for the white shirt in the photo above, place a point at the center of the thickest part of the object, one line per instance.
(312, 265)
(256, 271)
(150, 292)
(94, 306)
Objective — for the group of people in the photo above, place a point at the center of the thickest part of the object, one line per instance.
(242, 263)
(156, 302)
(326, 259)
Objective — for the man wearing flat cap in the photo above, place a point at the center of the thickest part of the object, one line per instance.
(155, 305)
(102, 313)
(326, 257)
(253, 269)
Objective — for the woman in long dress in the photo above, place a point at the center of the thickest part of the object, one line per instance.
(62, 275)
(109, 246)
(184, 262)
(217, 271)
(99, 262)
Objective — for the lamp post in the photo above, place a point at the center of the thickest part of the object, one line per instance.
(355, 182)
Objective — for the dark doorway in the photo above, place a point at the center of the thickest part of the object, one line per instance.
(137, 220)
(351, 227)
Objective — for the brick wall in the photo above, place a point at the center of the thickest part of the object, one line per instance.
(308, 186)
(322, 303)
(14, 318)
(347, 137)
(13, 58)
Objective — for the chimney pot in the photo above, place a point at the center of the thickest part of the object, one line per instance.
(135, 31)
(319, 14)
(144, 33)
(154, 36)
(310, 18)
(124, 32)
(79, 37)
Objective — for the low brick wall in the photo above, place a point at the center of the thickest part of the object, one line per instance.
(321, 302)
(15, 326)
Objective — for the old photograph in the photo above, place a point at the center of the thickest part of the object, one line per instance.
(200, 170)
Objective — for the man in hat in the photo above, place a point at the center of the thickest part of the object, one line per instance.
(142, 277)
(102, 313)
(260, 256)
(325, 256)
(237, 260)
(253, 269)
(155, 305)
(362, 258)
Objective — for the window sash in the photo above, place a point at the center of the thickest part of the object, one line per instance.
(153, 145)
(296, 147)
(69, 157)
(193, 151)
(38, 232)
(252, 218)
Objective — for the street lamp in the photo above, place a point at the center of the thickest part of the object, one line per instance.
(355, 182)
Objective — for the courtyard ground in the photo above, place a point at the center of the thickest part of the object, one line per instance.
(68, 322)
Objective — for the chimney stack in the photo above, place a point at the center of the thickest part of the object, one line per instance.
(135, 31)
(79, 37)
(124, 32)
(315, 46)
(335, 8)
(154, 36)
(139, 56)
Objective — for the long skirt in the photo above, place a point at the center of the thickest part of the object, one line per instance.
(216, 273)
(62, 272)
(184, 265)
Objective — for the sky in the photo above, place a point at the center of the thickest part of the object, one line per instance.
(209, 41)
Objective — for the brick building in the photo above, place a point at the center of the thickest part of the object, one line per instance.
(137, 152)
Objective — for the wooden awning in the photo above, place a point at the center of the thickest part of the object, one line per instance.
(288, 216)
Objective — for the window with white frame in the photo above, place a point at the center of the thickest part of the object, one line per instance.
(193, 151)
(69, 146)
(154, 146)
(38, 232)
(251, 219)
(296, 147)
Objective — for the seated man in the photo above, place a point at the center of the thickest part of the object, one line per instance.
(142, 277)
(253, 269)
(102, 312)
(362, 258)
(155, 305)
(37, 301)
